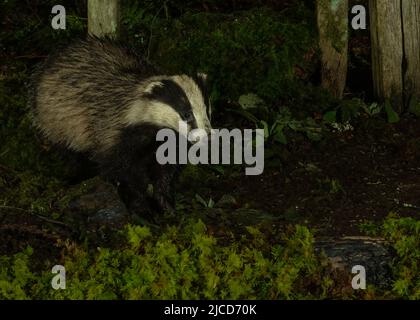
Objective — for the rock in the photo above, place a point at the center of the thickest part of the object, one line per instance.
(371, 253)
(99, 204)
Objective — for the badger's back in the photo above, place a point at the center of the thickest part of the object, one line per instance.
(80, 93)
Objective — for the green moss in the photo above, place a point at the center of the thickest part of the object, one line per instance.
(15, 275)
(180, 263)
(404, 234)
(251, 51)
(335, 28)
(186, 262)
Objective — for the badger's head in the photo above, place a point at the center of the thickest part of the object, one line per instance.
(169, 100)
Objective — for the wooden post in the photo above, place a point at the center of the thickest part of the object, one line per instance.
(387, 51)
(411, 29)
(103, 18)
(332, 18)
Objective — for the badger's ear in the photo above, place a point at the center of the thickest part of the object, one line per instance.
(202, 76)
(151, 86)
(201, 80)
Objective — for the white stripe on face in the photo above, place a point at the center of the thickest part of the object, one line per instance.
(195, 96)
(153, 112)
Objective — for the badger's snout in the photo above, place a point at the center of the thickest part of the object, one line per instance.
(199, 135)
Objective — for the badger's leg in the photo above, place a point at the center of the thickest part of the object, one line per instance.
(163, 186)
(132, 187)
(129, 173)
(132, 163)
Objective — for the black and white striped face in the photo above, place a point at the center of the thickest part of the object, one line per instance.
(173, 99)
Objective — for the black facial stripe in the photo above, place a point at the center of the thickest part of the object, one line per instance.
(172, 94)
(202, 85)
(193, 124)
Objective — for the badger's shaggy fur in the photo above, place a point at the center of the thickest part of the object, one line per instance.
(99, 98)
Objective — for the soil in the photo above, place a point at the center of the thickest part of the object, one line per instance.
(19, 230)
(346, 179)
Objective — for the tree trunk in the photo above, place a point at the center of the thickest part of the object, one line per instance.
(395, 33)
(104, 18)
(411, 27)
(387, 50)
(332, 18)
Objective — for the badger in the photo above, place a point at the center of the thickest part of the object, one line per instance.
(98, 97)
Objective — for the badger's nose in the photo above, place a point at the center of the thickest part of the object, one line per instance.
(202, 135)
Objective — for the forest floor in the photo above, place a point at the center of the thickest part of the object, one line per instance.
(332, 186)
(346, 180)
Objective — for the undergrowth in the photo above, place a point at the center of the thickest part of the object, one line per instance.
(188, 263)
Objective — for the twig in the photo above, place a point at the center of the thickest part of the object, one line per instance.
(36, 215)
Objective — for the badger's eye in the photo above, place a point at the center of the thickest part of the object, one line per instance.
(188, 116)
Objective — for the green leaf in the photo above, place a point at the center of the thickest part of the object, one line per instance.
(393, 117)
(211, 203)
(330, 117)
(250, 101)
(266, 130)
(373, 109)
(314, 136)
(350, 109)
(279, 136)
(295, 125)
(246, 114)
(201, 200)
(414, 106)
(218, 168)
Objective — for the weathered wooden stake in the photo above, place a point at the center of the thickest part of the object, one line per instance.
(104, 18)
(332, 18)
(387, 51)
(411, 29)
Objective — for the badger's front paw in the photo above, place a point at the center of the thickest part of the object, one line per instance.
(164, 203)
